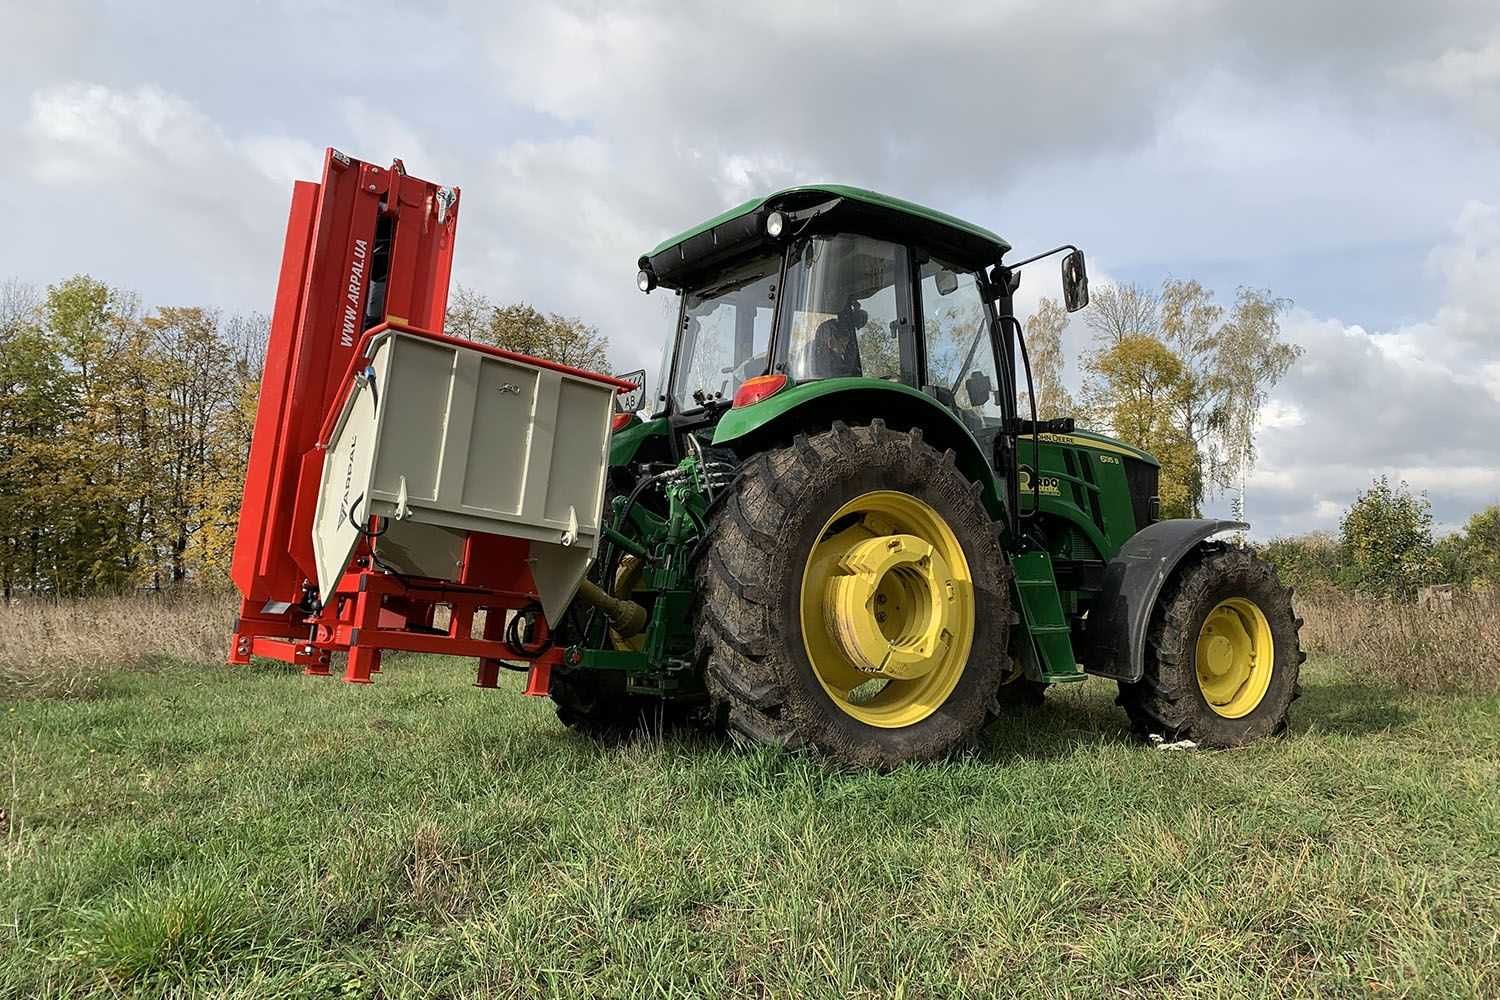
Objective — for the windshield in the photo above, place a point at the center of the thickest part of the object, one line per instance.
(846, 310)
(726, 333)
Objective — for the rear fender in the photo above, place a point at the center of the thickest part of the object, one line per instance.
(1133, 580)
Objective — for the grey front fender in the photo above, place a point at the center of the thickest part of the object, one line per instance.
(1133, 579)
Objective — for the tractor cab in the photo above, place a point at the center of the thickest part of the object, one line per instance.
(835, 284)
(823, 283)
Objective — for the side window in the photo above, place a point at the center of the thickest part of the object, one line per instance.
(846, 313)
(726, 332)
(657, 403)
(960, 357)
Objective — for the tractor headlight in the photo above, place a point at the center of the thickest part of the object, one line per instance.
(775, 225)
(645, 280)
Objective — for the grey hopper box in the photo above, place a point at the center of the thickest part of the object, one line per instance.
(443, 439)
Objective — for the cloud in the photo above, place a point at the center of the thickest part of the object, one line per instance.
(1467, 76)
(166, 182)
(1278, 414)
(1417, 403)
(374, 128)
(1326, 513)
(1156, 134)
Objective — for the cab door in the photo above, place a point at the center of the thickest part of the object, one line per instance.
(959, 356)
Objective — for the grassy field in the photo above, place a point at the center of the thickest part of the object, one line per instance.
(202, 830)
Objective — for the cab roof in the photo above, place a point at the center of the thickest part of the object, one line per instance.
(879, 214)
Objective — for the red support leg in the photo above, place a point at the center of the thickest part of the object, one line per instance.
(363, 661)
(539, 680)
(488, 675)
(461, 622)
(494, 630)
(318, 668)
(239, 649)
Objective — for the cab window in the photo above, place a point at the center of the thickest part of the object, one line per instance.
(960, 357)
(846, 312)
(726, 333)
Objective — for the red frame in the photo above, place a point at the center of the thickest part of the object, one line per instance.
(318, 343)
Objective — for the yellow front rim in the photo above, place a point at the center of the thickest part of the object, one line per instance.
(887, 609)
(1234, 657)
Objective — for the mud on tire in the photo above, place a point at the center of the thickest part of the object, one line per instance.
(1168, 699)
(761, 682)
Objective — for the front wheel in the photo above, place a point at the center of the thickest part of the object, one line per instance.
(854, 598)
(1222, 655)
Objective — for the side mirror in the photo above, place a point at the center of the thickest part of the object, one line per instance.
(1075, 281)
(946, 282)
(979, 388)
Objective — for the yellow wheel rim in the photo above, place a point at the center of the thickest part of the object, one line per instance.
(1234, 657)
(887, 609)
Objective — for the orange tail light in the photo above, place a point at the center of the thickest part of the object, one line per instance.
(758, 388)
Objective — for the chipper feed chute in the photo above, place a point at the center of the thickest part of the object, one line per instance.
(395, 471)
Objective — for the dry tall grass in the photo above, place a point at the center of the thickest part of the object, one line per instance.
(66, 649)
(1455, 647)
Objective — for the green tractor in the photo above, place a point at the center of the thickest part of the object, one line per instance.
(833, 529)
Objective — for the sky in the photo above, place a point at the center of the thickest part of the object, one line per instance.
(1345, 155)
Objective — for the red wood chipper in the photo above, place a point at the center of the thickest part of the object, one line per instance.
(395, 470)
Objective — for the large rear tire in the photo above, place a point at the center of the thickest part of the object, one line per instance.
(854, 599)
(1222, 655)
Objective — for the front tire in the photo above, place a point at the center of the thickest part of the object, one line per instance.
(854, 599)
(1222, 656)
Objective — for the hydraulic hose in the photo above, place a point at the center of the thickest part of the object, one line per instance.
(513, 633)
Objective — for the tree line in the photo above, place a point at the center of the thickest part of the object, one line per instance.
(1385, 547)
(123, 437)
(124, 432)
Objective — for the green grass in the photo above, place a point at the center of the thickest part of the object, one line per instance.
(210, 831)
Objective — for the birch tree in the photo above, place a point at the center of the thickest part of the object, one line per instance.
(1044, 330)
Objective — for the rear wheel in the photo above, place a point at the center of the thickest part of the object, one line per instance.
(1222, 655)
(854, 599)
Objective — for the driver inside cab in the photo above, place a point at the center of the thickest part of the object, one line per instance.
(834, 352)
